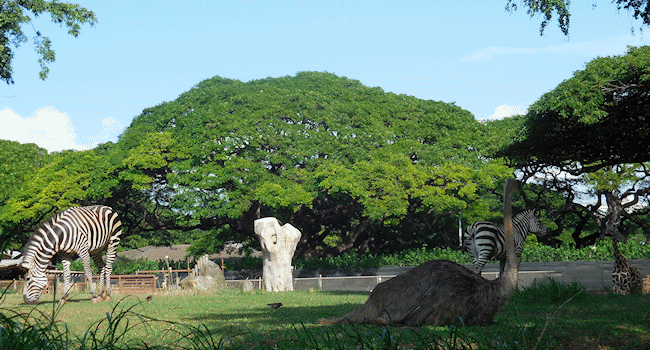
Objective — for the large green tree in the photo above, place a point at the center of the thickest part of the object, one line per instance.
(15, 17)
(57, 185)
(594, 127)
(345, 163)
(18, 163)
(353, 167)
(596, 119)
(77, 178)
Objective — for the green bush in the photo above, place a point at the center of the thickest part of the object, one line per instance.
(550, 291)
(125, 266)
(602, 250)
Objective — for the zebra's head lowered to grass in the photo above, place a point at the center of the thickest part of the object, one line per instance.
(83, 231)
(35, 277)
(35, 261)
(34, 286)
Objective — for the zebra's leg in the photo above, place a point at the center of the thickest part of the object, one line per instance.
(65, 261)
(99, 262)
(502, 266)
(479, 264)
(85, 259)
(477, 268)
(111, 253)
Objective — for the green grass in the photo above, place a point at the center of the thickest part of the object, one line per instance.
(564, 316)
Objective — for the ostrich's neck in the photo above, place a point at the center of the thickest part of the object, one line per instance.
(508, 281)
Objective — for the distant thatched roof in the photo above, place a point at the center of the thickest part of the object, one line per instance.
(175, 252)
(178, 252)
(10, 265)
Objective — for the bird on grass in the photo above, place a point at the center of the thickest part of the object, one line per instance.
(274, 305)
(149, 298)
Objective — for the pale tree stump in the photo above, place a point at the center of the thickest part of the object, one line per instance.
(278, 245)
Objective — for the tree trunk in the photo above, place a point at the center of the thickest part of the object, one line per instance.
(278, 245)
(613, 217)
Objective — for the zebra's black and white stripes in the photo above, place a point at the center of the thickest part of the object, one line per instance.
(83, 231)
(484, 240)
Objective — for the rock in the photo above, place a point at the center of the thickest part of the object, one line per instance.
(200, 283)
(247, 286)
(244, 286)
(209, 277)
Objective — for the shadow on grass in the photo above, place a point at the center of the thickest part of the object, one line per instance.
(264, 316)
(537, 316)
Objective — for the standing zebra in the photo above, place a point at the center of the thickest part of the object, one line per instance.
(484, 240)
(82, 231)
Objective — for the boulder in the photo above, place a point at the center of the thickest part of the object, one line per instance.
(208, 277)
(244, 286)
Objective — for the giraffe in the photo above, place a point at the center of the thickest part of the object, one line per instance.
(625, 277)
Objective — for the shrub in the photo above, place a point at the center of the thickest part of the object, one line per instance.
(550, 291)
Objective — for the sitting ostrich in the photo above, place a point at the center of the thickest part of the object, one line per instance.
(442, 292)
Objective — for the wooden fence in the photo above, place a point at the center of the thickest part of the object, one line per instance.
(120, 284)
(128, 284)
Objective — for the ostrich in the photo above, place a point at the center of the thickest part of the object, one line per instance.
(442, 292)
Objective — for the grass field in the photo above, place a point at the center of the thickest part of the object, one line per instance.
(243, 321)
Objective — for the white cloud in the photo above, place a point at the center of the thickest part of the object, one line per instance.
(488, 53)
(110, 126)
(51, 129)
(505, 111)
(600, 47)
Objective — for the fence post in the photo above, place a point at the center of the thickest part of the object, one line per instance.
(320, 281)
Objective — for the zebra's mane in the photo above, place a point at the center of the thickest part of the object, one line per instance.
(525, 211)
(521, 214)
(29, 254)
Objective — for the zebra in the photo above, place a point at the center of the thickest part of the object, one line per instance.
(484, 240)
(82, 231)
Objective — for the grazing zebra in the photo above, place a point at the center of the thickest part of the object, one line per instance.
(82, 231)
(484, 240)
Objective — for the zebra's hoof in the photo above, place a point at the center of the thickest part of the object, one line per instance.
(94, 300)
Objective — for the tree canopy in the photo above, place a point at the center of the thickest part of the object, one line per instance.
(340, 160)
(597, 118)
(15, 15)
(17, 163)
(593, 126)
(353, 167)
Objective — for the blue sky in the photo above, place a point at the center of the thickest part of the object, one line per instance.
(488, 61)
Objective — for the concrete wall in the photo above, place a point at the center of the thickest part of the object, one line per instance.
(593, 275)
